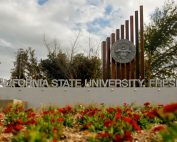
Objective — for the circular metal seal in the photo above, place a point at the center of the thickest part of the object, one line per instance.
(123, 51)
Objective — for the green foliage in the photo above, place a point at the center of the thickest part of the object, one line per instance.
(83, 67)
(26, 65)
(161, 43)
(20, 64)
(106, 124)
(56, 66)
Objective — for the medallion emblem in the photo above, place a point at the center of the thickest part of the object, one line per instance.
(123, 51)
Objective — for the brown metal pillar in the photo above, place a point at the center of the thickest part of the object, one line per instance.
(113, 63)
(118, 66)
(108, 57)
(123, 68)
(132, 40)
(142, 42)
(103, 48)
(137, 45)
(127, 37)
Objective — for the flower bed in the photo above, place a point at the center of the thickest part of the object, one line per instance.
(92, 123)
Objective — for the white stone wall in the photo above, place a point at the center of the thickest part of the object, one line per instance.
(71, 96)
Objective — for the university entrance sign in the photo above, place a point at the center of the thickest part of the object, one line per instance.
(123, 51)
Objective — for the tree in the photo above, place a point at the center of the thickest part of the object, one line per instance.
(33, 69)
(86, 68)
(161, 43)
(20, 64)
(56, 66)
(26, 65)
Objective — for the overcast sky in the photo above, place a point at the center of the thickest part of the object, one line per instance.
(23, 24)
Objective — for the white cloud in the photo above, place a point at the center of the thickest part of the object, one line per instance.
(24, 23)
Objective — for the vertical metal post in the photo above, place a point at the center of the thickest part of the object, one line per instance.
(118, 66)
(103, 48)
(137, 45)
(108, 57)
(113, 63)
(132, 40)
(123, 65)
(127, 37)
(142, 41)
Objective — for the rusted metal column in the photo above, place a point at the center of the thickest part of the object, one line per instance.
(123, 68)
(103, 48)
(108, 57)
(142, 41)
(127, 37)
(118, 66)
(137, 45)
(132, 40)
(113, 63)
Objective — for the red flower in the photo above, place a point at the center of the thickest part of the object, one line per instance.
(46, 112)
(118, 116)
(108, 123)
(119, 110)
(170, 108)
(31, 122)
(51, 111)
(61, 110)
(128, 136)
(126, 119)
(55, 130)
(92, 112)
(54, 140)
(146, 104)
(136, 116)
(68, 108)
(31, 114)
(103, 135)
(60, 119)
(29, 110)
(158, 128)
(110, 110)
(117, 138)
(152, 114)
(135, 125)
(19, 121)
(86, 126)
(101, 116)
(1, 116)
(9, 129)
(52, 120)
(19, 127)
